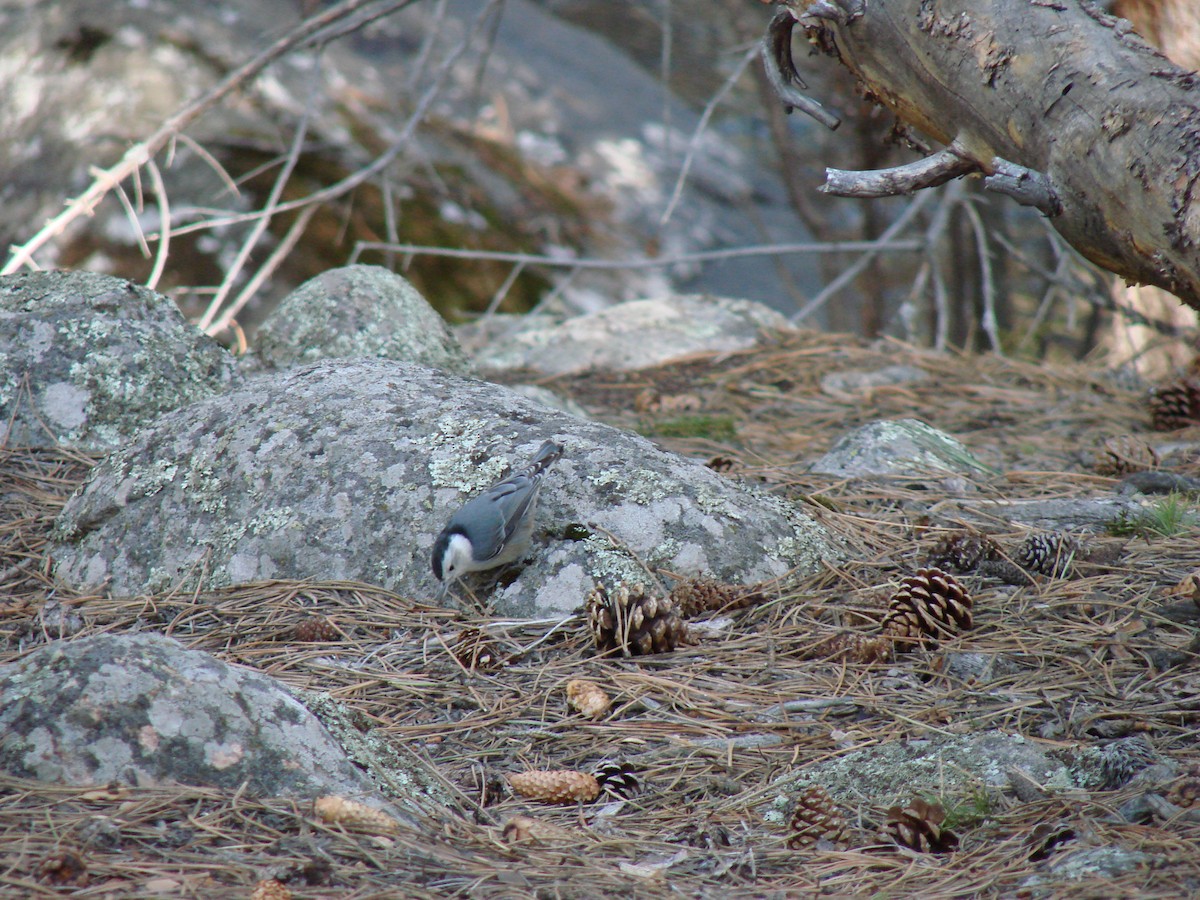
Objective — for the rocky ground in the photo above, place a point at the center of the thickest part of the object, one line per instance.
(769, 754)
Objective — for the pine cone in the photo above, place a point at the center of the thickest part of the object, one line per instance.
(852, 646)
(703, 595)
(918, 827)
(270, 889)
(928, 605)
(962, 551)
(475, 650)
(526, 828)
(1004, 570)
(556, 785)
(317, 628)
(1125, 454)
(631, 622)
(64, 868)
(617, 778)
(1185, 791)
(1048, 553)
(352, 814)
(816, 818)
(1175, 405)
(587, 697)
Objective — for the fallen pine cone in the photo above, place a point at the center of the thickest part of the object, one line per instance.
(556, 785)
(587, 697)
(703, 595)
(632, 622)
(928, 605)
(270, 889)
(519, 829)
(1048, 553)
(852, 646)
(617, 778)
(918, 826)
(816, 818)
(352, 814)
(317, 628)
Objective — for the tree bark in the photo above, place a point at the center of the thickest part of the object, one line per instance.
(1059, 104)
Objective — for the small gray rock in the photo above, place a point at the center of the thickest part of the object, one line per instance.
(348, 469)
(86, 360)
(900, 447)
(951, 767)
(141, 709)
(358, 311)
(633, 335)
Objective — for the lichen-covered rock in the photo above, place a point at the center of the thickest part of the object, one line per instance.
(350, 468)
(358, 311)
(899, 447)
(86, 360)
(950, 767)
(632, 335)
(141, 709)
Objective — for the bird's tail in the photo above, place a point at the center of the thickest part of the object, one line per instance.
(547, 455)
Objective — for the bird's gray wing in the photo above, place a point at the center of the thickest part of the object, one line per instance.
(499, 512)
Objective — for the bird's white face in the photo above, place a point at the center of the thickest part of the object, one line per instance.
(456, 561)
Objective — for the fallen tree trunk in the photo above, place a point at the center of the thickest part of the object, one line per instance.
(1058, 104)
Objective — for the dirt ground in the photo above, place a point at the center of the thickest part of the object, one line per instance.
(707, 730)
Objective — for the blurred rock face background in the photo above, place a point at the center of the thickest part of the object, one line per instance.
(508, 155)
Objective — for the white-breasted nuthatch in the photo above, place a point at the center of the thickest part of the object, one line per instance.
(494, 528)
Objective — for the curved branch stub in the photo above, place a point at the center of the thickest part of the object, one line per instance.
(1027, 186)
(915, 176)
(776, 51)
(843, 12)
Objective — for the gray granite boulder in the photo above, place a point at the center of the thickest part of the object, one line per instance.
(631, 335)
(86, 359)
(358, 311)
(141, 709)
(350, 468)
(898, 447)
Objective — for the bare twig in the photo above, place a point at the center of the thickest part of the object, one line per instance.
(568, 262)
(776, 51)
(278, 255)
(260, 224)
(863, 261)
(701, 126)
(943, 166)
(990, 326)
(164, 218)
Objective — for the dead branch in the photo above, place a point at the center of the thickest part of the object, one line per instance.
(1060, 105)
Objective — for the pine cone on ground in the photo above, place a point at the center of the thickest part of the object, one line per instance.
(587, 697)
(476, 650)
(632, 622)
(556, 785)
(271, 889)
(918, 827)
(703, 595)
(962, 551)
(317, 628)
(852, 646)
(1175, 405)
(1125, 454)
(929, 605)
(816, 818)
(1048, 553)
(617, 778)
(354, 815)
(1185, 791)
